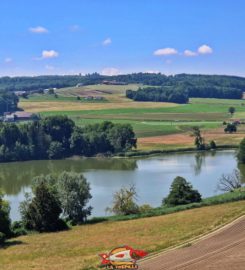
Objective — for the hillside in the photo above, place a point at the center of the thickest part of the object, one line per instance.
(43, 82)
(79, 248)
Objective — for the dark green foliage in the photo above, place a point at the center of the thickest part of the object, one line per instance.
(2, 238)
(51, 91)
(8, 101)
(56, 150)
(180, 88)
(198, 85)
(106, 137)
(241, 152)
(231, 110)
(57, 137)
(4, 220)
(18, 229)
(213, 145)
(181, 192)
(74, 194)
(69, 191)
(162, 94)
(42, 212)
(230, 128)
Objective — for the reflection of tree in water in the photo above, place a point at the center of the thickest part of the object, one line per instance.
(199, 159)
(15, 176)
(241, 168)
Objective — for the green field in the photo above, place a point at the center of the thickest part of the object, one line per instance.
(148, 119)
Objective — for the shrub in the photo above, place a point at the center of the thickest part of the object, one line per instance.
(124, 202)
(213, 145)
(145, 208)
(230, 128)
(181, 192)
(2, 238)
(18, 229)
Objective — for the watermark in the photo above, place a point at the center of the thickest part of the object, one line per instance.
(123, 257)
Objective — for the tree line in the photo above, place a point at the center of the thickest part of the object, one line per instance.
(57, 137)
(158, 94)
(182, 93)
(151, 79)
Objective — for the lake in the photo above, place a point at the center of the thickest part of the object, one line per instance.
(152, 176)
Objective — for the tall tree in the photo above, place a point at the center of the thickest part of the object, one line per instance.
(74, 194)
(181, 192)
(42, 212)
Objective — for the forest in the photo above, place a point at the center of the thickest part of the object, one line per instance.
(181, 93)
(57, 137)
(151, 79)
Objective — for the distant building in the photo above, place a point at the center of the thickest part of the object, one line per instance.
(19, 116)
(79, 85)
(98, 98)
(9, 118)
(20, 93)
(89, 98)
(113, 83)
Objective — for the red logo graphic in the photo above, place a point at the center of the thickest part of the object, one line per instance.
(123, 257)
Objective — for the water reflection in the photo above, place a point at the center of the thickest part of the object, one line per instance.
(151, 176)
(18, 175)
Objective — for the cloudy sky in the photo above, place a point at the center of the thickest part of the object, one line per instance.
(123, 36)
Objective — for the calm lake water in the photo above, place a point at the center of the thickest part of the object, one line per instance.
(152, 176)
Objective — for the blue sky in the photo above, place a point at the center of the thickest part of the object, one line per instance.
(122, 36)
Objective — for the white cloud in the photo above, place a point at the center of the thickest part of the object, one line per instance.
(8, 60)
(110, 71)
(49, 54)
(205, 49)
(165, 51)
(38, 30)
(107, 42)
(189, 53)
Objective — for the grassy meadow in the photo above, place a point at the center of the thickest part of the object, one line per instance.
(79, 247)
(157, 125)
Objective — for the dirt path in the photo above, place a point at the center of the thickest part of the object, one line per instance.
(224, 249)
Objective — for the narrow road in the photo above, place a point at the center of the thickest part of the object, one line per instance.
(221, 250)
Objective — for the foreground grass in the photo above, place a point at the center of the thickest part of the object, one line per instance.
(78, 248)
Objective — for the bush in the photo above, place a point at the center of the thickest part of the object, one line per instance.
(230, 128)
(145, 208)
(181, 192)
(124, 202)
(2, 238)
(18, 229)
(213, 145)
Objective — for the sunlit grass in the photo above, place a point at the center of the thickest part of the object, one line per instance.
(78, 248)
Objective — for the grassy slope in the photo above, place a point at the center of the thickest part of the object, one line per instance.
(78, 248)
